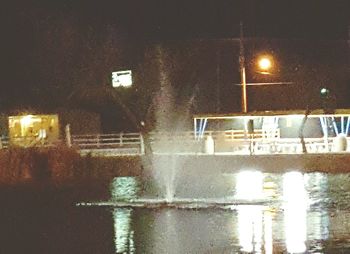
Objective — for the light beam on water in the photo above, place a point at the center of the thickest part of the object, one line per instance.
(295, 211)
(123, 232)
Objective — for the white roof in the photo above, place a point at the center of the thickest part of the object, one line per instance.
(278, 113)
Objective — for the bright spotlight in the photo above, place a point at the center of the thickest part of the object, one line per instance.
(265, 63)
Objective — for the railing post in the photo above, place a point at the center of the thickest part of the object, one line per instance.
(68, 136)
(121, 138)
(98, 140)
(142, 144)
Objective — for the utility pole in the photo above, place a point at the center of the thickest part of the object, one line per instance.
(218, 104)
(242, 71)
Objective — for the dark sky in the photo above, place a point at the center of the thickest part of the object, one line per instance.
(53, 50)
(193, 18)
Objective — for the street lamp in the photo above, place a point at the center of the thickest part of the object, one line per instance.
(264, 64)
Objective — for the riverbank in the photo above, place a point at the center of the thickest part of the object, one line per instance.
(62, 165)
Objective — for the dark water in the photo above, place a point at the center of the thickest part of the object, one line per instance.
(44, 219)
(303, 213)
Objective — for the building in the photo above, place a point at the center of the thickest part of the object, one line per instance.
(267, 132)
(31, 130)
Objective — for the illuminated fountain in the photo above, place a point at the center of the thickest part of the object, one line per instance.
(248, 199)
(179, 183)
(183, 184)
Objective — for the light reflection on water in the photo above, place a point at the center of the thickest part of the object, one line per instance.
(124, 234)
(250, 228)
(306, 215)
(295, 206)
(249, 185)
(124, 188)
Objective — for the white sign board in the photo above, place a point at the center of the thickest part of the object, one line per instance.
(121, 78)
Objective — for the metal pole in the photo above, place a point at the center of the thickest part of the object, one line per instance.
(68, 136)
(347, 125)
(335, 127)
(242, 71)
(195, 128)
(244, 91)
(142, 144)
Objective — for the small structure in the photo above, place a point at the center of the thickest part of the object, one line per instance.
(31, 130)
(276, 131)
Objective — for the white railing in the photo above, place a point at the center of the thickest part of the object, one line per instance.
(124, 143)
(232, 142)
(259, 142)
(4, 142)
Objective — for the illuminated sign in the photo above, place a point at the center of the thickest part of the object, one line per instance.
(121, 78)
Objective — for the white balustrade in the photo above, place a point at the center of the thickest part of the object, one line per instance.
(229, 142)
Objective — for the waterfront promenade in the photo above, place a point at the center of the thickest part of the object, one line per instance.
(225, 151)
(218, 143)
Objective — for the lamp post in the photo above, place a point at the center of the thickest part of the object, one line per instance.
(242, 71)
(244, 91)
(265, 63)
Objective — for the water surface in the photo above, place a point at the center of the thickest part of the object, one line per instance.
(305, 213)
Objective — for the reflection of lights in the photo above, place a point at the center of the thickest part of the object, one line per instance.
(318, 219)
(268, 232)
(269, 189)
(124, 235)
(124, 188)
(294, 192)
(249, 185)
(250, 228)
(295, 197)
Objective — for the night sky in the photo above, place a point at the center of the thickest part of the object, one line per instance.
(60, 54)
